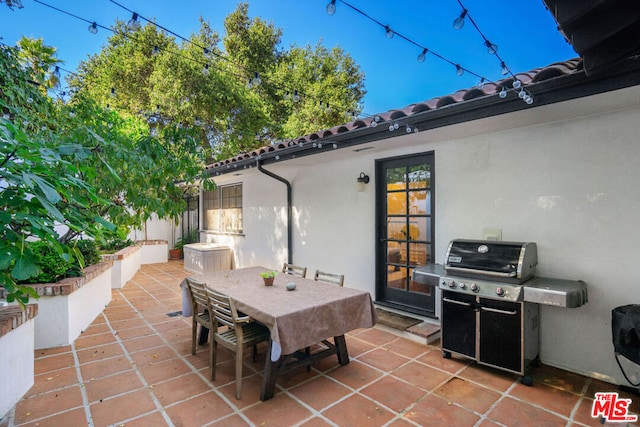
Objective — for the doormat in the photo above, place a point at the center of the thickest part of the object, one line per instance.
(396, 321)
(174, 313)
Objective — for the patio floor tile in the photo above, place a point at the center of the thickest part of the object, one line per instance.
(135, 368)
(358, 411)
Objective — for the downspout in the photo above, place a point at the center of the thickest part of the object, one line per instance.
(289, 210)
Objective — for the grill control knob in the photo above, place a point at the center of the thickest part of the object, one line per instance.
(452, 284)
(474, 287)
(499, 292)
(462, 285)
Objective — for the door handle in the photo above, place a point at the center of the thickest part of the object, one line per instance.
(466, 304)
(495, 310)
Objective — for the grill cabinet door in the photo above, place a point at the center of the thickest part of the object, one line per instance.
(500, 338)
(459, 323)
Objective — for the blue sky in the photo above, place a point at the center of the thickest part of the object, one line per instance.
(524, 31)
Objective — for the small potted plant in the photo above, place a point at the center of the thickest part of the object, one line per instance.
(268, 277)
(176, 252)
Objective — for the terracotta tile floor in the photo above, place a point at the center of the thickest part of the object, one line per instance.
(133, 366)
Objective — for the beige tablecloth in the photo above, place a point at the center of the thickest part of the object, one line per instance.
(312, 312)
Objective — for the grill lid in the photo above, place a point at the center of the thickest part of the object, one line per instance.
(508, 261)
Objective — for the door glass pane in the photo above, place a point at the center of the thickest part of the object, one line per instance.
(419, 254)
(396, 228)
(396, 203)
(396, 277)
(396, 179)
(419, 176)
(419, 287)
(395, 254)
(420, 228)
(419, 202)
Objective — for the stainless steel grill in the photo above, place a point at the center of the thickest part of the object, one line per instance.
(490, 301)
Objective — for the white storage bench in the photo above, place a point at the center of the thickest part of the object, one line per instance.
(202, 258)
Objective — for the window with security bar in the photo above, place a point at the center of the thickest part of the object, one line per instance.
(222, 209)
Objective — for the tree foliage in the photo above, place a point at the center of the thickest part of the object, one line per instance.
(239, 98)
(78, 169)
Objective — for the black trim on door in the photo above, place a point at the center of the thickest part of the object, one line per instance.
(405, 229)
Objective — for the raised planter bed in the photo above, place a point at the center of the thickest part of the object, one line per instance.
(17, 353)
(126, 263)
(153, 251)
(68, 307)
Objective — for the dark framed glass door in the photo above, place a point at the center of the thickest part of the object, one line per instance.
(405, 223)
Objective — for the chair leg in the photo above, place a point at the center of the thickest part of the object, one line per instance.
(213, 357)
(307, 351)
(194, 335)
(239, 356)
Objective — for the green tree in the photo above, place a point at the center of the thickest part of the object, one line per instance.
(41, 189)
(41, 59)
(146, 73)
(67, 170)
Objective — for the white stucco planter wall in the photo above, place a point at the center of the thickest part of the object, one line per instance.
(16, 354)
(153, 251)
(564, 176)
(126, 263)
(68, 307)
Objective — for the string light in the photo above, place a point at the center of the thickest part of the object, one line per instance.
(459, 70)
(388, 32)
(458, 23)
(331, 7)
(504, 70)
(93, 28)
(491, 47)
(133, 24)
(423, 55)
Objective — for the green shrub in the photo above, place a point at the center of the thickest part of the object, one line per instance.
(89, 250)
(114, 244)
(53, 267)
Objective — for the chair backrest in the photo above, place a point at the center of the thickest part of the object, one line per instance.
(197, 290)
(294, 269)
(336, 279)
(224, 309)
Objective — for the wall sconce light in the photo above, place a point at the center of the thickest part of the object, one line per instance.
(362, 180)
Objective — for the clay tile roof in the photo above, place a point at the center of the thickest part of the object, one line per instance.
(558, 69)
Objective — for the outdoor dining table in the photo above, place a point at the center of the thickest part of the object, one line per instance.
(297, 319)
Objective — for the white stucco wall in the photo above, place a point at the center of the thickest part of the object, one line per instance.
(16, 359)
(565, 176)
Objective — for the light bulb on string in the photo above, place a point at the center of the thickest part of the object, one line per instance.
(459, 70)
(521, 94)
(250, 83)
(388, 32)
(492, 48)
(56, 72)
(516, 84)
(93, 28)
(481, 83)
(134, 24)
(331, 7)
(503, 92)
(156, 50)
(528, 99)
(423, 55)
(295, 97)
(458, 23)
(113, 92)
(205, 70)
(408, 129)
(257, 81)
